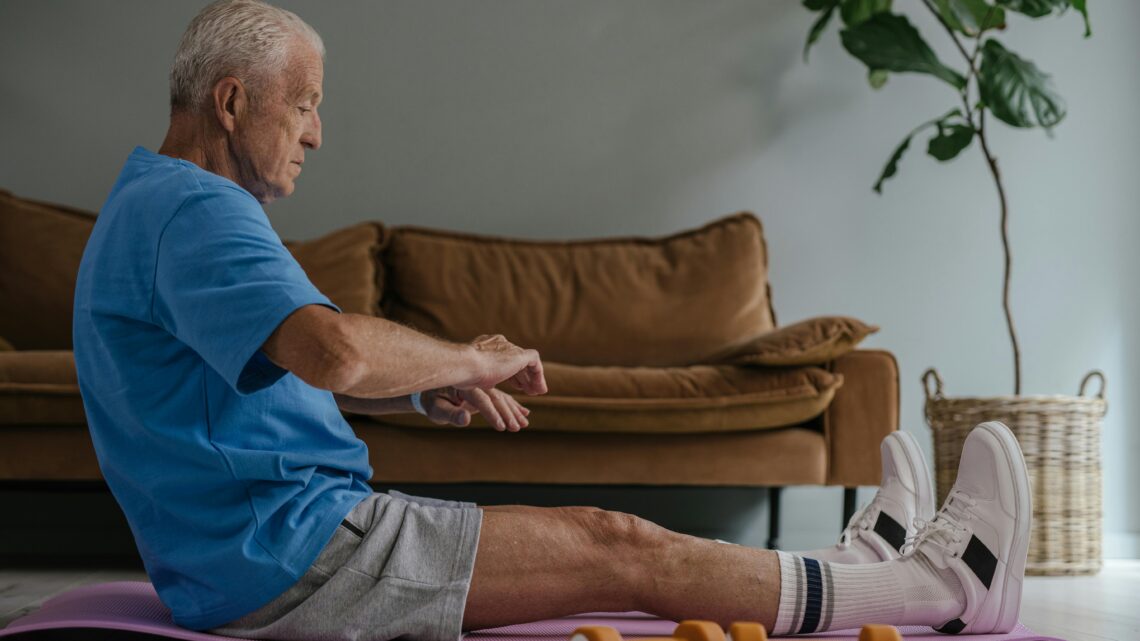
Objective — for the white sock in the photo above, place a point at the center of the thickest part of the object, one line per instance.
(856, 552)
(816, 596)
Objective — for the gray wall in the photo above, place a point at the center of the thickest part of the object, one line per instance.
(583, 118)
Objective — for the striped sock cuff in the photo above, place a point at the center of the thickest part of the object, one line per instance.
(806, 595)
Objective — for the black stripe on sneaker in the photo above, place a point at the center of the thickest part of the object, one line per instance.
(952, 627)
(891, 531)
(979, 559)
(814, 601)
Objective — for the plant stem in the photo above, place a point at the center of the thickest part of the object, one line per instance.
(980, 128)
(992, 162)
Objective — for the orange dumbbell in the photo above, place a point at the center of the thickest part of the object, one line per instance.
(685, 631)
(709, 631)
(879, 632)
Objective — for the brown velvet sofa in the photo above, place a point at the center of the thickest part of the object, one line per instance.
(663, 358)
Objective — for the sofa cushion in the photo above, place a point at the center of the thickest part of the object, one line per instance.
(39, 388)
(699, 398)
(810, 342)
(669, 301)
(345, 266)
(40, 249)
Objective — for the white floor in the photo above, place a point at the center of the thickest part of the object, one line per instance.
(1105, 607)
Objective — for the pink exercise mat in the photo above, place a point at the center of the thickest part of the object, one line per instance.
(133, 606)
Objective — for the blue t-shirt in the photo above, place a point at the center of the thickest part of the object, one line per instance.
(232, 472)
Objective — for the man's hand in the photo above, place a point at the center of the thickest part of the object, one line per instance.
(500, 360)
(449, 405)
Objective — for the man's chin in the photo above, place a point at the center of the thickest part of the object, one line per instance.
(275, 192)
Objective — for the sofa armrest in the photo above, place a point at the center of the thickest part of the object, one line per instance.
(864, 411)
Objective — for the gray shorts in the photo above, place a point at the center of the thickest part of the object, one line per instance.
(398, 566)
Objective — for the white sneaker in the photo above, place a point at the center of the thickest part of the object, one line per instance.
(878, 531)
(982, 531)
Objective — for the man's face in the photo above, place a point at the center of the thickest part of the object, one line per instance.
(270, 141)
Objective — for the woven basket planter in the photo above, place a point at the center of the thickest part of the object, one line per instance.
(1060, 437)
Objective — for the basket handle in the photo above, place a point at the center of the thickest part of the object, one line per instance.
(929, 374)
(1096, 373)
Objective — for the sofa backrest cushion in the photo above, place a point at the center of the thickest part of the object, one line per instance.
(41, 245)
(345, 266)
(667, 301)
(40, 248)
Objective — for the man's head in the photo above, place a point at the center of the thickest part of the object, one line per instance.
(252, 74)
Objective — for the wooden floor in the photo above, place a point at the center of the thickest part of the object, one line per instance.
(1105, 607)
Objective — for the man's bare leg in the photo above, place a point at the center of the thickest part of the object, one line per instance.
(539, 563)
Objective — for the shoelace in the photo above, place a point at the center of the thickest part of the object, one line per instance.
(946, 530)
(860, 520)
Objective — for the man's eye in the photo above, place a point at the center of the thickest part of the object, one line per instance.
(304, 110)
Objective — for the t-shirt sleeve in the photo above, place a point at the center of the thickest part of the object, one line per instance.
(223, 283)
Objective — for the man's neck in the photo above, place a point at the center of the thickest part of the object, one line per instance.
(194, 139)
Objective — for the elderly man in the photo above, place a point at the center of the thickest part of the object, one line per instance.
(213, 374)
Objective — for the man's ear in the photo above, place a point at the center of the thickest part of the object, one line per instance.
(230, 102)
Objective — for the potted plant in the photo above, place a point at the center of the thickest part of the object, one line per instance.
(1060, 435)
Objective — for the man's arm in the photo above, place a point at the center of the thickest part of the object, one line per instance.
(374, 406)
(366, 357)
(448, 406)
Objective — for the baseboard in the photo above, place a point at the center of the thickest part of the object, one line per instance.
(1122, 545)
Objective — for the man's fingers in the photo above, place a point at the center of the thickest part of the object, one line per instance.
(487, 408)
(506, 412)
(517, 408)
(456, 414)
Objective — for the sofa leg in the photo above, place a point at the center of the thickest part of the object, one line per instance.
(848, 505)
(774, 517)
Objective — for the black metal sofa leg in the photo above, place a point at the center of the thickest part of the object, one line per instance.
(774, 517)
(848, 505)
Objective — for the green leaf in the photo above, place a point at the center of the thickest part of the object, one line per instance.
(892, 166)
(970, 17)
(854, 12)
(1034, 8)
(877, 78)
(1082, 7)
(820, 5)
(950, 141)
(1016, 91)
(817, 29)
(888, 41)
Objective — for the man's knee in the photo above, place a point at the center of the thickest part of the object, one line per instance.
(616, 529)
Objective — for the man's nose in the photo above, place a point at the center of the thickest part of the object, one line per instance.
(311, 138)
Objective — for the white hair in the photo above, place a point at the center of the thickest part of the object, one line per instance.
(246, 39)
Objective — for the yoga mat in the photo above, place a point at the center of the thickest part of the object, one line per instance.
(133, 606)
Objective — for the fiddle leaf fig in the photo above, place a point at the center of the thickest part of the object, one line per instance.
(950, 141)
(1034, 8)
(887, 41)
(1083, 9)
(855, 12)
(971, 17)
(892, 166)
(877, 78)
(1016, 91)
(818, 26)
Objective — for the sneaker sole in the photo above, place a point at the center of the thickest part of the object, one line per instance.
(1014, 565)
(904, 448)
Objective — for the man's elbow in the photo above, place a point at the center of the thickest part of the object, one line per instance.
(342, 366)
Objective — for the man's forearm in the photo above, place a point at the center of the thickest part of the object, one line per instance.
(391, 360)
(374, 406)
(366, 357)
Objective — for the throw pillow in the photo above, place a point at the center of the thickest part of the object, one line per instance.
(40, 248)
(669, 301)
(810, 342)
(344, 265)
